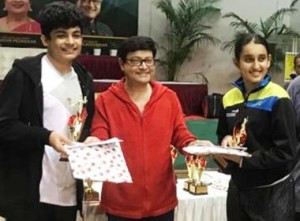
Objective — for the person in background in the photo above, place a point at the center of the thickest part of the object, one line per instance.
(258, 114)
(38, 97)
(93, 26)
(148, 118)
(294, 92)
(17, 19)
(296, 69)
(92, 9)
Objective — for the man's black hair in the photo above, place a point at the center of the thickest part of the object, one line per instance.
(59, 14)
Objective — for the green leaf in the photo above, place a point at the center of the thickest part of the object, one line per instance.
(189, 24)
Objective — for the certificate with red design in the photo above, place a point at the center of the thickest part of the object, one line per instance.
(101, 161)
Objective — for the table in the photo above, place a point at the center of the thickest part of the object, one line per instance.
(191, 95)
(210, 207)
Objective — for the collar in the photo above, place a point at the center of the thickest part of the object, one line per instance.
(239, 83)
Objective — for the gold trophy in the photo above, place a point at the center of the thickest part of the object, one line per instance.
(197, 187)
(76, 122)
(189, 160)
(75, 125)
(174, 154)
(89, 193)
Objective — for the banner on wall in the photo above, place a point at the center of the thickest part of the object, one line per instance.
(289, 65)
(115, 21)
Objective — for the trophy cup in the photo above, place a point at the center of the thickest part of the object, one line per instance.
(76, 122)
(197, 187)
(173, 156)
(189, 160)
(89, 193)
(239, 135)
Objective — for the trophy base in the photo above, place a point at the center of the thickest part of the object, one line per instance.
(93, 196)
(186, 185)
(198, 189)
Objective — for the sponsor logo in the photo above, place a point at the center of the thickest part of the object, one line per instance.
(233, 113)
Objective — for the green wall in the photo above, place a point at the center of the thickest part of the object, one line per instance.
(203, 130)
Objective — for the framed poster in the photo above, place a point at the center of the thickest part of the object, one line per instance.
(113, 21)
(289, 65)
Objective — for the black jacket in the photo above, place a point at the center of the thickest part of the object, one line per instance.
(22, 136)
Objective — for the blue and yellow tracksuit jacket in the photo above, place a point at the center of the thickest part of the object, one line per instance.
(268, 124)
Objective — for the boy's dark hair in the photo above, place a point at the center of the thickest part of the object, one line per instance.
(246, 38)
(59, 14)
(136, 43)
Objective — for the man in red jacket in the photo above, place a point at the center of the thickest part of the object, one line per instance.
(148, 117)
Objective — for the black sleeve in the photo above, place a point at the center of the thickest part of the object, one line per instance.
(282, 150)
(20, 125)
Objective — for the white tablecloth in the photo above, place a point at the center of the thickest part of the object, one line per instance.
(210, 207)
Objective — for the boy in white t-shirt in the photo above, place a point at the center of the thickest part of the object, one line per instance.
(38, 97)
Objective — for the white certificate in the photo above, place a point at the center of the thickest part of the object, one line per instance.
(207, 150)
(100, 161)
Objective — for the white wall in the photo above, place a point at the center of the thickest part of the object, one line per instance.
(8, 55)
(213, 62)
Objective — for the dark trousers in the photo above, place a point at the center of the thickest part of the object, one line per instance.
(48, 212)
(297, 216)
(169, 216)
(18, 211)
(275, 203)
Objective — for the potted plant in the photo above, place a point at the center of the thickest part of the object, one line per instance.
(272, 29)
(188, 26)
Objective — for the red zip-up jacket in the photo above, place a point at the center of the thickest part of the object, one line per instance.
(146, 144)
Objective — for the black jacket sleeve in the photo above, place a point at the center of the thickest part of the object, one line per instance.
(20, 118)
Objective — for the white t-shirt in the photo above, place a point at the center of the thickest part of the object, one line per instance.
(60, 92)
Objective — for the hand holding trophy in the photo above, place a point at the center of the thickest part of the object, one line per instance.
(76, 123)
